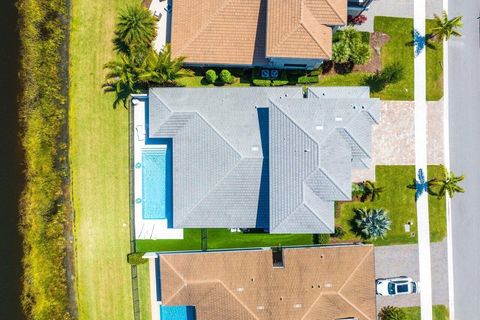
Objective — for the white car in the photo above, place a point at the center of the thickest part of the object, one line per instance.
(396, 286)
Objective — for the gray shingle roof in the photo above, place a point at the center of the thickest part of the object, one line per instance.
(262, 157)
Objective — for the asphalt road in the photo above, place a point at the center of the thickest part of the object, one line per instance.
(464, 110)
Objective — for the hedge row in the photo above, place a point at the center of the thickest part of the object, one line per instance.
(43, 115)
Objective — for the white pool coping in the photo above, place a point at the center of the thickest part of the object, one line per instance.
(151, 229)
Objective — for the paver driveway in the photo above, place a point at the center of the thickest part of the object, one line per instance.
(402, 260)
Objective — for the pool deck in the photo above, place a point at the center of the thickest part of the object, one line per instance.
(145, 228)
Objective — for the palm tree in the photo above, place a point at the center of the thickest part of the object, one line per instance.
(371, 191)
(164, 70)
(445, 28)
(449, 184)
(372, 223)
(123, 78)
(136, 28)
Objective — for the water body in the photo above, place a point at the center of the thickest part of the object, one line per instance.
(11, 160)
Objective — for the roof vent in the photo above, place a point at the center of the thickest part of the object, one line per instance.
(240, 289)
(328, 285)
(260, 307)
(297, 305)
(319, 127)
(255, 148)
(338, 119)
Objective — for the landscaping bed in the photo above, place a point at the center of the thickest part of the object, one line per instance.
(399, 201)
(397, 49)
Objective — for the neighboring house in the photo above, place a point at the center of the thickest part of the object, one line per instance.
(267, 33)
(270, 158)
(316, 283)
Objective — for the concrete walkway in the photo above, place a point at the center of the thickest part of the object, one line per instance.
(402, 260)
(423, 225)
(393, 8)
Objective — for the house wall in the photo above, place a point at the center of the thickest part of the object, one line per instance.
(297, 63)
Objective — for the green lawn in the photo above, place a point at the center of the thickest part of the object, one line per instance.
(222, 239)
(398, 50)
(349, 79)
(440, 312)
(400, 203)
(99, 168)
(144, 291)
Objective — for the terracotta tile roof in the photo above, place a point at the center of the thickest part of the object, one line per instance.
(219, 31)
(301, 28)
(315, 283)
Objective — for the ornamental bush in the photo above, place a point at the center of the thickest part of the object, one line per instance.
(261, 82)
(391, 313)
(211, 76)
(371, 223)
(226, 76)
(349, 47)
(307, 79)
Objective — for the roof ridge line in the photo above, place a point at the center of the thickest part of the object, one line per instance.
(284, 39)
(311, 306)
(236, 298)
(213, 187)
(333, 182)
(313, 212)
(353, 306)
(355, 270)
(296, 124)
(178, 274)
(205, 25)
(283, 220)
(303, 8)
(358, 143)
(335, 11)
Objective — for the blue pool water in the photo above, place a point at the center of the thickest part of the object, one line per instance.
(156, 183)
(177, 313)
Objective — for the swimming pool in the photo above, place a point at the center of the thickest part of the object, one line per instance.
(156, 169)
(177, 313)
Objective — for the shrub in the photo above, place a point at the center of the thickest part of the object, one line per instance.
(360, 53)
(341, 52)
(357, 20)
(323, 238)
(226, 76)
(371, 223)
(307, 79)
(339, 232)
(349, 47)
(282, 81)
(136, 258)
(357, 190)
(261, 82)
(392, 73)
(391, 313)
(211, 76)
